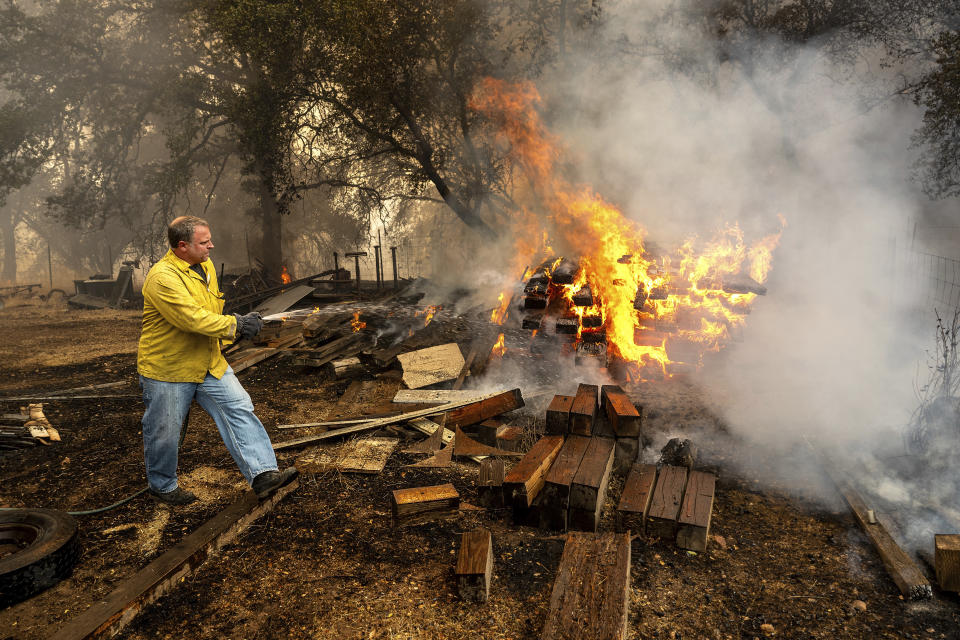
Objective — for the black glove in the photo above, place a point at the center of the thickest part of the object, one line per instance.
(248, 325)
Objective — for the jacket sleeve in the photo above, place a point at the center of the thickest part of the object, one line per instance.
(170, 298)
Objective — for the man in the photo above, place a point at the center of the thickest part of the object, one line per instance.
(179, 359)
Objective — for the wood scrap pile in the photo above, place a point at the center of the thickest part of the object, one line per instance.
(28, 428)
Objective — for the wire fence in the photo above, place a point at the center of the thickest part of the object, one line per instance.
(937, 277)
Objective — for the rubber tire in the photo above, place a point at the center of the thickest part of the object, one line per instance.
(46, 561)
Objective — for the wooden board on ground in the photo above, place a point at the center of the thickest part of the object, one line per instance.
(431, 365)
(382, 422)
(283, 301)
(696, 512)
(635, 498)
(475, 565)
(484, 408)
(622, 414)
(904, 571)
(583, 411)
(946, 560)
(589, 487)
(430, 428)
(556, 488)
(666, 500)
(363, 455)
(434, 396)
(590, 595)
(108, 616)
(525, 480)
(558, 414)
(487, 431)
(422, 504)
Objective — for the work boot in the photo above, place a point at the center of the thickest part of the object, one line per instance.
(176, 497)
(269, 481)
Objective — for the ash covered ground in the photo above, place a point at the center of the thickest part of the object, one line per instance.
(326, 562)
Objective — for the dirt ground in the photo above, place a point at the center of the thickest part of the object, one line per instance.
(326, 563)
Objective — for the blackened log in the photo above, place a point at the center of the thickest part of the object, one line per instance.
(743, 284)
(568, 325)
(535, 302)
(658, 293)
(532, 321)
(536, 287)
(594, 336)
(591, 322)
(641, 298)
(566, 272)
(583, 297)
(595, 352)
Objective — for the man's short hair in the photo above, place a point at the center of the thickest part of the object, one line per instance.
(182, 229)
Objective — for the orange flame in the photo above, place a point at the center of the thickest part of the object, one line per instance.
(356, 323)
(284, 275)
(684, 287)
(428, 313)
(498, 348)
(499, 314)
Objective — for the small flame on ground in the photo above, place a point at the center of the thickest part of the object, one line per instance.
(356, 323)
(499, 314)
(499, 348)
(429, 312)
(285, 276)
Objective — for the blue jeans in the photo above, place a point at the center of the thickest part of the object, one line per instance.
(229, 405)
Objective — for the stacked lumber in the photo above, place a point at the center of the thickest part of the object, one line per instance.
(522, 485)
(605, 411)
(674, 503)
(590, 595)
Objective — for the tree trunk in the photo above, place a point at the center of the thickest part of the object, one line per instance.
(8, 229)
(272, 226)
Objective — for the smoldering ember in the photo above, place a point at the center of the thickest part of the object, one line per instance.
(479, 319)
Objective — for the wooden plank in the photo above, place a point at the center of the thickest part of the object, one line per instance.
(666, 501)
(946, 560)
(475, 565)
(422, 504)
(696, 512)
(380, 422)
(283, 301)
(556, 488)
(590, 596)
(621, 412)
(431, 365)
(525, 480)
(589, 487)
(249, 357)
(107, 617)
(904, 571)
(490, 483)
(583, 411)
(635, 498)
(901, 568)
(364, 455)
(484, 408)
(558, 414)
(434, 396)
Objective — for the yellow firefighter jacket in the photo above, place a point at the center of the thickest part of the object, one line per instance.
(182, 323)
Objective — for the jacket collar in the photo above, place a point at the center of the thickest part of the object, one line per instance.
(182, 264)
